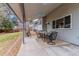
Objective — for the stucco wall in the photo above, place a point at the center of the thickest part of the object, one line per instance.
(70, 35)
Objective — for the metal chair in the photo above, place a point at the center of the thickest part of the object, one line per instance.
(51, 37)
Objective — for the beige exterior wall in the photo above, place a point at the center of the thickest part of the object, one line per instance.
(71, 35)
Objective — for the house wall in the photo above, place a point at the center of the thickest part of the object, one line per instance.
(72, 34)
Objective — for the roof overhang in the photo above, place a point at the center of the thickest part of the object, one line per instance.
(33, 10)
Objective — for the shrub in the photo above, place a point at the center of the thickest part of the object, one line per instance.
(7, 25)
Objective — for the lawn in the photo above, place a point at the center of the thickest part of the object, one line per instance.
(7, 40)
(9, 36)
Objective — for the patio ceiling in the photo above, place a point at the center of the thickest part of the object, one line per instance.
(34, 10)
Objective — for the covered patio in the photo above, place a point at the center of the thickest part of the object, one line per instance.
(35, 47)
(45, 18)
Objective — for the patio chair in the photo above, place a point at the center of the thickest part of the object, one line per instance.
(51, 37)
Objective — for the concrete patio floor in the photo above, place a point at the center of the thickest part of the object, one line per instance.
(35, 47)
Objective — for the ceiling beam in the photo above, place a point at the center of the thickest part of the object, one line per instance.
(13, 11)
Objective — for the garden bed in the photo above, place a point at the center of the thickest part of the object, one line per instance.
(10, 43)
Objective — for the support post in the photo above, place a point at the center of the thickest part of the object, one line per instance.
(24, 21)
(23, 32)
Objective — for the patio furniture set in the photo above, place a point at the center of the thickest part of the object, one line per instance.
(48, 37)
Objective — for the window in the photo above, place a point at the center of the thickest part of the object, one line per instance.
(53, 24)
(60, 23)
(67, 21)
(64, 22)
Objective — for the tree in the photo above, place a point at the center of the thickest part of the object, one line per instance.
(7, 25)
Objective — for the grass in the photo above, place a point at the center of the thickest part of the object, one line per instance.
(9, 36)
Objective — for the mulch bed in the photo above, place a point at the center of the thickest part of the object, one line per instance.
(5, 46)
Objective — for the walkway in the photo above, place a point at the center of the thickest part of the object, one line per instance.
(35, 47)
